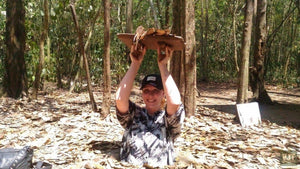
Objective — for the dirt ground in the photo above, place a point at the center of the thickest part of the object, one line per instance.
(63, 130)
(284, 111)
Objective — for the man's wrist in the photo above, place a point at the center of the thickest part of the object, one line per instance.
(162, 65)
(136, 63)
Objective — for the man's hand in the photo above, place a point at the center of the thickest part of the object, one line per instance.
(164, 54)
(137, 53)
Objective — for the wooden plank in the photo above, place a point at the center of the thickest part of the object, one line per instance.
(150, 41)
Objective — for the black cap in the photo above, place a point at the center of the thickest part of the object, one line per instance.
(153, 80)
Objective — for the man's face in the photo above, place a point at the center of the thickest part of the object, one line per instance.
(152, 98)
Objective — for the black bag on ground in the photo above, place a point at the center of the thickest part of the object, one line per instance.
(11, 158)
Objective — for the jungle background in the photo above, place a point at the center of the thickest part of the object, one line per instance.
(61, 126)
(214, 38)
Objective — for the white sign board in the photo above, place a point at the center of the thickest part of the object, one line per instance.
(249, 114)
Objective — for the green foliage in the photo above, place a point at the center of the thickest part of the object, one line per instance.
(220, 41)
(219, 44)
(285, 44)
(65, 57)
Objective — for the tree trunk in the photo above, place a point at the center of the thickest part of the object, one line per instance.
(257, 72)
(86, 47)
(129, 24)
(190, 59)
(184, 25)
(286, 65)
(77, 80)
(58, 69)
(161, 23)
(242, 96)
(206, 54)
(82, 51)
(204, 37)
(177, 29)
(234, 36)
(48, 63)
(106, 61)
(254, 12)
(167, 13)
(40, 65)
(298, 71)
(129, 12)
(156, 22)
(202, 42)
(15, 79)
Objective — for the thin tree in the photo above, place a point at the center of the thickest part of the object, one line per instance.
(297, 3)
(257, 71)
(86, 47)
(242, 96)
(154, 14)
(129, 25)
(167, 13)
(58, 69)
(44, 35)
(159, 13)
(233, 13)
(205, 55)
(106, 61)
(15, 78)
(204, 29)
(82, 52)
(129, 13)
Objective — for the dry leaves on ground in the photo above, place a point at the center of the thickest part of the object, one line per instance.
(62, 130)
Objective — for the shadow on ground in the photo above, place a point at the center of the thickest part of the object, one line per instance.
(281, 114)
(110, 148)
(285, 111)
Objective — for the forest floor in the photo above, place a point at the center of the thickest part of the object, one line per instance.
(284, 111)
(64, 131)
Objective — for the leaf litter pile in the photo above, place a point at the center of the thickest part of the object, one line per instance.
(64, 131)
